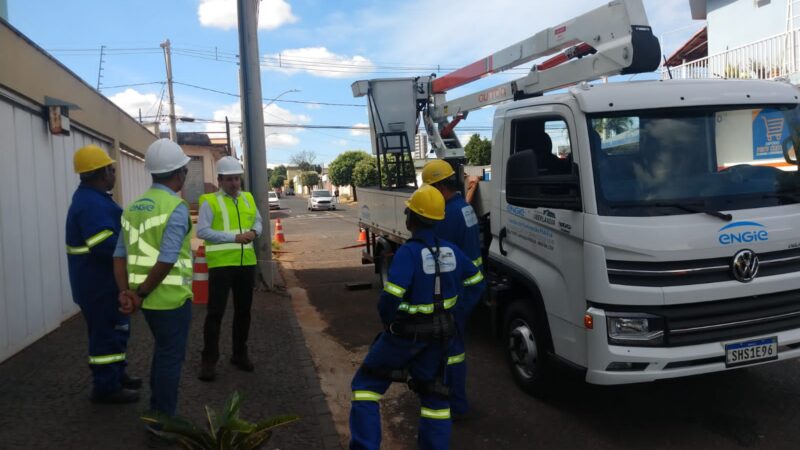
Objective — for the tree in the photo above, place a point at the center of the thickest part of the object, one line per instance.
(281, 170)
(309, 179)
(340, 170)
(478, 151)
(276, 180)
(365, 173)
(304, 160)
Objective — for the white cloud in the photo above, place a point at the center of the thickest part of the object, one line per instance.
(222, 14)
(132, 101)
(318, 61)
(360, 132)
(382, 31)
(313, 106)
(275, 136)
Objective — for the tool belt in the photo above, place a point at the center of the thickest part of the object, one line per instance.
(435, 387)
(438, 326)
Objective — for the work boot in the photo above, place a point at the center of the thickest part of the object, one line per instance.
(121, 396)
(207, 372)
(243, 363)
(129, 382)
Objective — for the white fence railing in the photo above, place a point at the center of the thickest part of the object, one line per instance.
(775, 56)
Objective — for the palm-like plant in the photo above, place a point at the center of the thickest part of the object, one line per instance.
(227, 431)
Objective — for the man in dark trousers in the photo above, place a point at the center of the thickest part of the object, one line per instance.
(93, 226)
(425, 279)
(460, 226)
(229, 222)
(153, 269)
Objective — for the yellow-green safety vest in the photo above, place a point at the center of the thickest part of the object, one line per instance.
(143, 224)
(233, 218)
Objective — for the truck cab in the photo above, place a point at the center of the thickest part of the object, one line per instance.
(647, 230)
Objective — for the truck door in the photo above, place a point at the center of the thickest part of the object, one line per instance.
(545, 244)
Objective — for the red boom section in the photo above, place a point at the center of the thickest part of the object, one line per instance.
(483, 67)
(462, 76)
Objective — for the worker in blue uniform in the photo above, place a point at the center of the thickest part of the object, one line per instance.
(460, 226)
(415, 307)
(93, 226)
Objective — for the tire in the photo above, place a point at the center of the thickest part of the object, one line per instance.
(382, 263)
(525, 338)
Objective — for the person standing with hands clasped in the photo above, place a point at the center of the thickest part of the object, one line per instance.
(93, 228)
(425, 279)
(229, 222)
(153, 268)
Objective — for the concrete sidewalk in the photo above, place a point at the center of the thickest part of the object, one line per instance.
(44, 390)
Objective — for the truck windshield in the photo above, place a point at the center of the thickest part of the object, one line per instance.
(687, 160)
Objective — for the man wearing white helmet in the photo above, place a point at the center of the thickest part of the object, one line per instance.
(229, 222)
(153, 268)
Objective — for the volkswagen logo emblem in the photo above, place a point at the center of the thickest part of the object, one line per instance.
(744, 265)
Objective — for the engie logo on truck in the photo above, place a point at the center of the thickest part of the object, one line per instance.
(734, 234)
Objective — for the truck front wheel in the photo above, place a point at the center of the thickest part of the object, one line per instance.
(525, 349)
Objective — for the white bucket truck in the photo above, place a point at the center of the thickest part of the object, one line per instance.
(635, 231)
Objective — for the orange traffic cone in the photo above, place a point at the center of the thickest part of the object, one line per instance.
(200, 277)
(279, 231)
(362, 237)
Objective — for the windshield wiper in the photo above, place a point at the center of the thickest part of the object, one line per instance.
(684, 206)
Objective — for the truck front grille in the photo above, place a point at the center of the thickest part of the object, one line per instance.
(700, 271)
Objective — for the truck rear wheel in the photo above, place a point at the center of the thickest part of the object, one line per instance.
(526, 351)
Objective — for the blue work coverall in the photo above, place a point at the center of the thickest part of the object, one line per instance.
(410, 290)
(93, 226)
(460, 226)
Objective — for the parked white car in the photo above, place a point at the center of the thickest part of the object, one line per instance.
(321, 200)
(274, 201)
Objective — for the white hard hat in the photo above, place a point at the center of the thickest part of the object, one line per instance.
(164, 156)
(228, 165)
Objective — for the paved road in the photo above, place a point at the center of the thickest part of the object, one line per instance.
(748, 408)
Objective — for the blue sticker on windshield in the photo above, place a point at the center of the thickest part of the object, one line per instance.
(742, 232)
(769, 131)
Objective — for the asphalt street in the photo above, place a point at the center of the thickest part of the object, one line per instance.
(753, 407)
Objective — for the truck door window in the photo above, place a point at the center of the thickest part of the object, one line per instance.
(549, 140)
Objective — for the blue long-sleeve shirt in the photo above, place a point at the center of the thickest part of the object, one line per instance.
(206, 217)
(92, 230)
(411, 278)
(460, 226)
(174, 234)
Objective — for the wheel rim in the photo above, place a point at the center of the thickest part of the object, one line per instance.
(522, 349)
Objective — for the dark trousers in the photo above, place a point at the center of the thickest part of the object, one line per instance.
(108, 330)
(170, 330)
(221, 281)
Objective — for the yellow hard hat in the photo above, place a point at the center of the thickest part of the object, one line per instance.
(428, 202)
(436, 171)
(90, 158)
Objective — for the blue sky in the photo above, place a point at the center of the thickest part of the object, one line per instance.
(327, 44)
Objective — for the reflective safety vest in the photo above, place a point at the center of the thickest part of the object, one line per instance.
(233, 218)
(143, 224)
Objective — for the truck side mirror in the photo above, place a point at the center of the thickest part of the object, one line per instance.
(525, 188)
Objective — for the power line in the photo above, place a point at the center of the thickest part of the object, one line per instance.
(133, 85)
(270, 99)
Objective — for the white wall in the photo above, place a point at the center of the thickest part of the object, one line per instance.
(733, 23)
(134, 179)
(36, 186)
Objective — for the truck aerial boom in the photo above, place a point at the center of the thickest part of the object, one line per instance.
(610, 40)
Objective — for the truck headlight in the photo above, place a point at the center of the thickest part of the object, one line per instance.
(636, 330)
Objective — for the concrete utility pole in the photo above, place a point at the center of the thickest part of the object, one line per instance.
(173, 128)
(255, 150)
